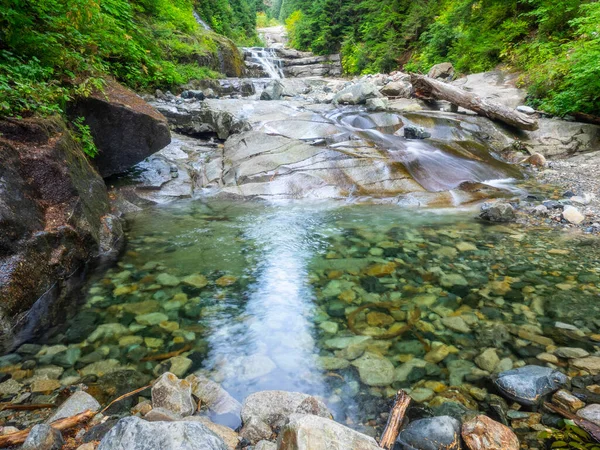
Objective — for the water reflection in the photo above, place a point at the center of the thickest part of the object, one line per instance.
(270, 344)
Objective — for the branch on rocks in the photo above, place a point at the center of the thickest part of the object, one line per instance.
(587, 118)
(428, 88)
(19, 437)
(392, 428)
(124, 396)
(592, 429)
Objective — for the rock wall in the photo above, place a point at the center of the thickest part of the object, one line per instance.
(54, 219)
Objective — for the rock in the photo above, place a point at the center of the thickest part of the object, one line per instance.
(265, 445)
(453, 279)
(308, 432)
(217, 399)
(45, 386)
(591, 413)
(457, 324)
(571, 352)
(177, 365)
(437, 354)
(421, 395)
(567, 401)
(590, 364)
(10, 387)
(77, 403)
(196, 280)
(527, 385)
(374, 370)
(274, 407)
(526, 110)
(88, 446)
(53, 206)
(229, 436)
(108, 331)
(273, 91)
(171, 393)
(125, 128)
(537, 160)
(488, 360)
(161, 415)
(133, 433)
(193, 94)
(400, 89)
(376, 104)
(165, 279)
(498, 212)
(151, 319)
(255, 366)
(332, 363)
(572, 215)
(445, 71)
(43, 437)
(413, 132)
(255, 430)
(436, 433)
(357, 94)
(482, 433)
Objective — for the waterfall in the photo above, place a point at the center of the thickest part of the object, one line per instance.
(201, 22)
(267, 59)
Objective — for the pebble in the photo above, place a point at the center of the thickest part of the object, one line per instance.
(165, 279)
(567, 401)
(457, 324)
(45, 386)
(591, 413)
(570, 352)
(590, 364)
(374, 370)
(488, 360)
(151, 318)
(572, 215)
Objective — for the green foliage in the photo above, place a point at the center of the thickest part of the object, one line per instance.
(570, 437)
(556, 43)
(235, 19)
(83, 136)
(53, 49)
(263, 20)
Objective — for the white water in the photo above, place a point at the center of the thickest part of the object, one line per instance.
(201, 22)
(268, 60)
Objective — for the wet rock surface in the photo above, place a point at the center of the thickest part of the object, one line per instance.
(438, 433)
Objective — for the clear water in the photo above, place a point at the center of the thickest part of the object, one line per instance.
(280, 279)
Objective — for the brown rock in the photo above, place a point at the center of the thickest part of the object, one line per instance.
(590, 364)
(567, 401)
(482, 433)
(125, 128)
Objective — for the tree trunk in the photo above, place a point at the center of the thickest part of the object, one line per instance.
(428, 88)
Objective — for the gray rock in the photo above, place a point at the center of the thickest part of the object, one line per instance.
(397, 89)
(173, 394)
(161, 415)
(444, 71)
(436, 433)
(274, 407)
(413, 132)
(357, 94)
(255, 430)
(488, 360)
(133, 433)
(43, 437)
(77, 403)
(526, 110)
(273, 91)
(193, 94)
(265, 445)
(571, 352)
(213, 396)
(591, 413)
(527, 385)
(308, 432)
(374, 370)
(498, 212)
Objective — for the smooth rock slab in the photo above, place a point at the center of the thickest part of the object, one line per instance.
(482, 433)
(308, 432)
(527, 385)
(77, 403)
(133, 433)
(436, 433)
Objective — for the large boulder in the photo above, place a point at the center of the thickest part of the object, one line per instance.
(308, 432)
(125, 128)
(54, 219)
(357, 94)
(133, 433)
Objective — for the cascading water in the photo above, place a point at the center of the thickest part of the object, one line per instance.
(201, 22)
(267, 59)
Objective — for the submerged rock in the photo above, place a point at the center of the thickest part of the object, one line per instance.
(212, 396)
(436, 433)
(498, 212)
(527, 385)
(273, 91)
(308, 432)
(133, 433)
(374, 370)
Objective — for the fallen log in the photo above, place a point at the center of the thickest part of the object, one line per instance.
(19, 437)
(591, 428)
(392, 428)
(428, 89)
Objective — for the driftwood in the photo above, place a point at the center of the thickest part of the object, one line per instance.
(592, 429)
(429, 88)
(587, 118)
(392, 428)
(26, 407)
(124, 396)
(19, 437)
